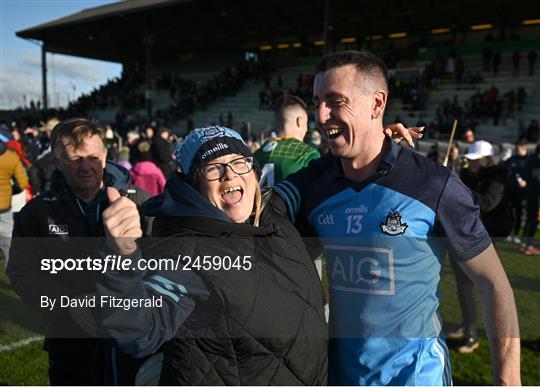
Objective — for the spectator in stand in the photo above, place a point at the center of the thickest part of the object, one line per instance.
(455, 162)
(516, 186)
(497, 57)
(123, 158)
(531, 57)
(162, 150)
(149, 134)
(487, 184)
(521, 95)
(468, 136)
(20, 195)
(516, 59)
(11, 168)
(533, 193)
(230, 120)
(491, 94)
(487, 55)
(45, 134)
(533, 131)
(111, 142)
(450, 65)
(30, 138)
(42, 169)
(133, 138)
(459, 70)
(145, 174)
(435, 153)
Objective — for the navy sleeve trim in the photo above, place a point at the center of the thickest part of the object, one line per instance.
(476, 250)
(287, 194)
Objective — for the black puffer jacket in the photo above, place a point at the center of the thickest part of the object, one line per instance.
(261, 325)
(489, 191)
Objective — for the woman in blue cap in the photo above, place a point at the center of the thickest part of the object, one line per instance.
(250, 309)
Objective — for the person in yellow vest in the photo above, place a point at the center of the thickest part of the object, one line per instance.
(10, 168)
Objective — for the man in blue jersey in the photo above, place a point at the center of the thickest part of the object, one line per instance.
(385, 217)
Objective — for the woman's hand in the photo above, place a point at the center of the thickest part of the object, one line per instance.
(398, 132)
(122, 223)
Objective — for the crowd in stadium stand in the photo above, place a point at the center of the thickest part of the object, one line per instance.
(480, 107)
(411, 89)
(126, 93)
(491, 61)
(130, 127)
(145, 147)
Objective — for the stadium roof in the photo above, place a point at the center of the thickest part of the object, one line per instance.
(90, 14)
(116, 32)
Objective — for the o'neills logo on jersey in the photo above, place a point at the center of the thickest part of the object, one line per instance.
(393, 225)
(58, 229)
(362, 209)
(217, 148)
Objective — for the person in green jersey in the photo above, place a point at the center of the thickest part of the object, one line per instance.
(286, 154)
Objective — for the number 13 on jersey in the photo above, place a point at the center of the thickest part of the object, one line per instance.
(354, 224)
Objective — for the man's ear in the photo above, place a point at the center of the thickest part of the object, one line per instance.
(298, 121)
(379, 104)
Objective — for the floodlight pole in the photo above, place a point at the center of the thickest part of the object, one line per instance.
(44, 74)
(326, 49)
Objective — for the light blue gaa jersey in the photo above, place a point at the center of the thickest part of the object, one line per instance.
(385, 241)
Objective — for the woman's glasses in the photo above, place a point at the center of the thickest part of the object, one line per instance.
(215, 171)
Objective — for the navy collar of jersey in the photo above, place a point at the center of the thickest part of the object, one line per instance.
(385, 165)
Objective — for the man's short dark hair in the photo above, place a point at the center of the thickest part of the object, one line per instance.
(75, 130)
(285, 101)
(365, 62)
(522, 141)
(288, 104)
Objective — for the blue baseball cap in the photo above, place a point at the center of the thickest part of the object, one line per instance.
(5, 135)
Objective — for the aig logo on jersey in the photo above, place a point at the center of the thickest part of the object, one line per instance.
(325, 220)
(359, 269)
(58, 229)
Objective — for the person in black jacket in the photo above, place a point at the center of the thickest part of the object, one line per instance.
(62, 224)
(517, 186)
(532, 176)
(250, 308)
(162, 150)
(487, 183)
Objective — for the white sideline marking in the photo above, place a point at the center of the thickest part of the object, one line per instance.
(17, 344)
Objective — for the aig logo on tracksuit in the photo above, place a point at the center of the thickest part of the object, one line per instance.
(58, 229)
